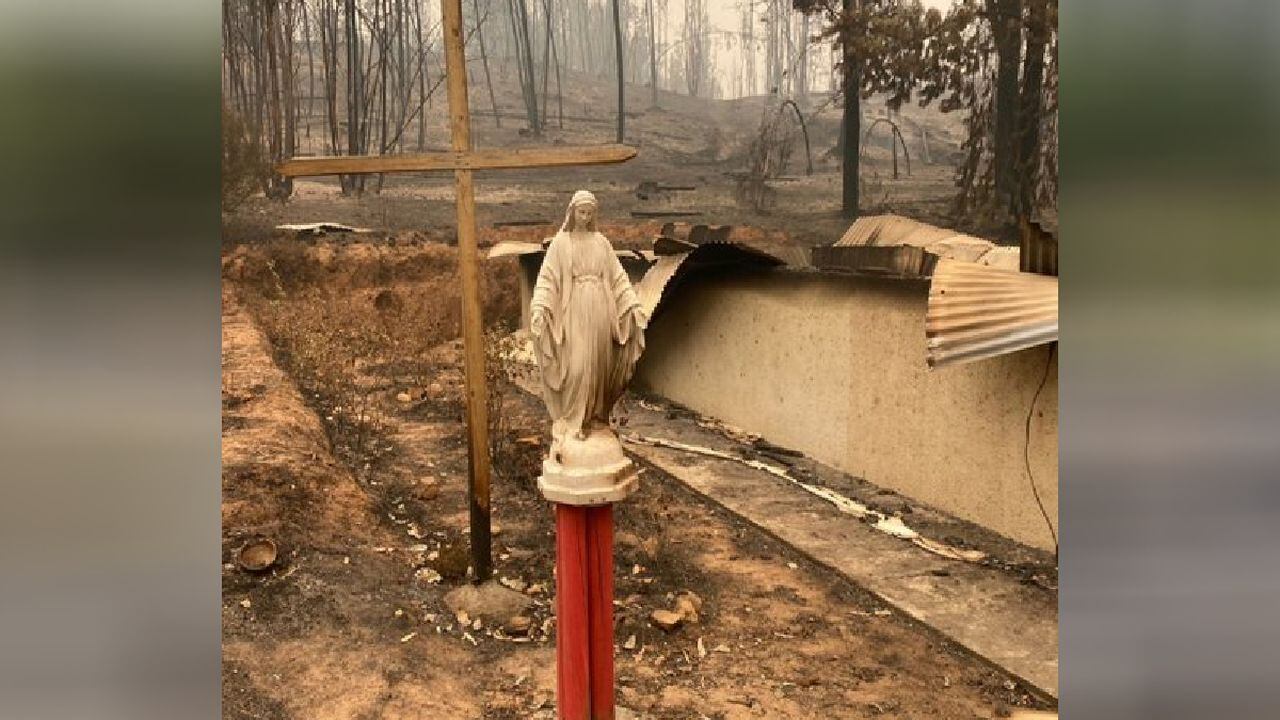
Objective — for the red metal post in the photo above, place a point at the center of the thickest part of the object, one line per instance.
(600, 608)
(584, 612)
(573, 694)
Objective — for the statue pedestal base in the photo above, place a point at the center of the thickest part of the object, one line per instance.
(588, 472)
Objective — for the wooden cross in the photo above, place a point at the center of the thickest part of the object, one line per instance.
(463, 160)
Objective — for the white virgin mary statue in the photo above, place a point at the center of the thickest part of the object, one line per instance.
(587, 326)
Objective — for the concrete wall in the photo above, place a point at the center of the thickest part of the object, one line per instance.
(834, 366)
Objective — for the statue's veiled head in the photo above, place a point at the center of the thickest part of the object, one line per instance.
(581, 214)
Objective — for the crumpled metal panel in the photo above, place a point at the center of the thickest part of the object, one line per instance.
(897, 261)
(895, 230)
(670, 269)
(977, 312)
(679, 238)
(654, 282)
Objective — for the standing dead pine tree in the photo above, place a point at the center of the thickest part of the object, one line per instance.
(524, 60)
(1031, 104)
(852, 121)
(695, 51)
(353, 184)
(484, 58)
(653, 57)
(1006, 22)
(617, 37)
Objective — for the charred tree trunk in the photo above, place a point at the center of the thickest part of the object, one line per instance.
(653, 58)
(695, 23)
(802, 63)
(403, 85)
(422, 76)
(1029, 116)
(381, 19)
(524, 59)
(258, 50)
(617, 37)
(355, 97)
(555, 60)
(546, 60)
(328, 20)
(277, 68)
(851, 126)
(484, 61)
(311, 73)
(750, 63)
(290, 94)
(1006, 17)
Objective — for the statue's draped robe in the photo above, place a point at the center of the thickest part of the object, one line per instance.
(594, 331)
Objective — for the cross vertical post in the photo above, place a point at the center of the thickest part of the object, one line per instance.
(472, 322)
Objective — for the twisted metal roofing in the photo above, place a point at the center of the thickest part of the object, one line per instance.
(895, 230)
(978, 312)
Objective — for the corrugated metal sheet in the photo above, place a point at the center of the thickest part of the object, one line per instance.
(1039, 249)
(978, 312)
(901, 261)
(895, 230)
(669, 270)
(654, 282)
(679, 238)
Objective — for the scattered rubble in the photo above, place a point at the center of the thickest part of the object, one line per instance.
(515, 584)
(687, 606)
(519, 625)
(666, 619)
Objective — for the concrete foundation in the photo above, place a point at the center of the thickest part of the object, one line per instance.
(834, 366)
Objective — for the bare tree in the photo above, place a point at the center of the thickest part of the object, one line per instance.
(749, 48)
(524, 59)
(484, 60)
(653, 57)
(355, 96)
(851, 125)
(555, 59)
(695, 26)
(311, 70)
(801, 89)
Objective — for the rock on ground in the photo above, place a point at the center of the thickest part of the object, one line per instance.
(490, 601)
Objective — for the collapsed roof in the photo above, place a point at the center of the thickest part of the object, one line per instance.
(980, 305)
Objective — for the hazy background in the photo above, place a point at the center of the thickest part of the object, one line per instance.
(109, 385)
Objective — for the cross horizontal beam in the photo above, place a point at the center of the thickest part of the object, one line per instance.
(498, 159)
